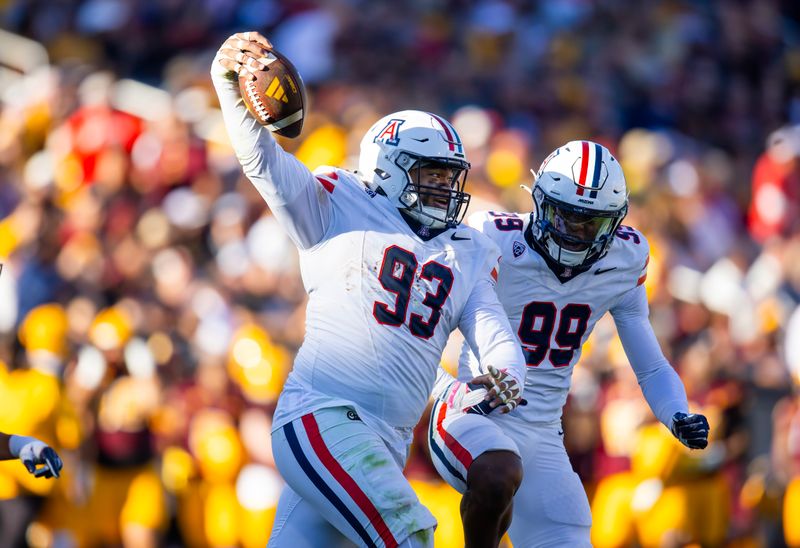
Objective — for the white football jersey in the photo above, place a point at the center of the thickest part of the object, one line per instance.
(382, 300)
(382, 304)
(552, 319)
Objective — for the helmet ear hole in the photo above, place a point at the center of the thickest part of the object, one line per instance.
(405, 161)
(409, 199)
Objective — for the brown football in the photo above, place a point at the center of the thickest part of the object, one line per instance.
(277, 97)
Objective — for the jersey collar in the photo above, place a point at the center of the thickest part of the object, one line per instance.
(423, 232)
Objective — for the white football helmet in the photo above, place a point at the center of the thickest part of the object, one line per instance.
(397, 147)
(581, 198)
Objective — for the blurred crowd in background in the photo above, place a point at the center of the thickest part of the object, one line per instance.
(150, 305)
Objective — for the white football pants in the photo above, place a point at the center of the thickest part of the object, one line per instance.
(339, 468)
(550, 507)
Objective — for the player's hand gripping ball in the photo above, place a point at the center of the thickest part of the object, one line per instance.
(270, 85)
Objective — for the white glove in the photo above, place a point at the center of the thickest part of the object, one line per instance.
(485, 393)
(467, 398)
(505, 390)
(33, 452)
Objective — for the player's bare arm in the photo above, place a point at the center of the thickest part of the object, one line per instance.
(5, 450)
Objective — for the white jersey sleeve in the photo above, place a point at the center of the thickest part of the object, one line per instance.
(660, 384)
(299, 201)
(487, 331)
(481, 221)
(492, 321)
(553, 317)
(483, 328)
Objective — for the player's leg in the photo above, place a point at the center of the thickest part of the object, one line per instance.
(487, 504)
(345, 471)
(299, 525)
(476, 458)
(550, 507)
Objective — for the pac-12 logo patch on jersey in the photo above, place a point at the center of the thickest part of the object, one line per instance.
(389, 133)
(518, 249)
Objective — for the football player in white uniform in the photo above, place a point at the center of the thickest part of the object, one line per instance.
(564, 266)
(39, 459)
(390, 273)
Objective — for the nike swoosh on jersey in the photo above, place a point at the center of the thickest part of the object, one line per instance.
(455, 238)
(604, 270)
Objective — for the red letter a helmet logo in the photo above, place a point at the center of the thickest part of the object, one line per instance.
(389, 133)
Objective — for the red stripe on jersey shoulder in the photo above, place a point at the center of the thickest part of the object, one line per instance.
(326, 181)
(494, 274)
(643, 277)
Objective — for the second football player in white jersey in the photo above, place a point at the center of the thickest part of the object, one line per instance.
(389, 273)
(564, 266)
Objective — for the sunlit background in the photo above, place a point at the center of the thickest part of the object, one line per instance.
(150, 305)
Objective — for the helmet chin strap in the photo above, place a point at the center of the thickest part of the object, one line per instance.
(559, 253)
(430, 219)
(566, 257)
(425, 215)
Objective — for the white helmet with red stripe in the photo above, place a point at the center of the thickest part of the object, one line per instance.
(581, 198)
(395, 150)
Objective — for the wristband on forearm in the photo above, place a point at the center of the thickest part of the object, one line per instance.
(16, 443)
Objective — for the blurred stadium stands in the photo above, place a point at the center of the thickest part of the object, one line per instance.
(150, 306)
